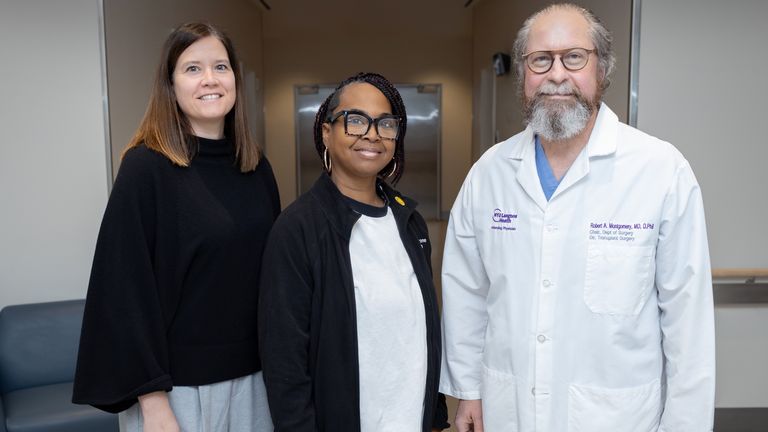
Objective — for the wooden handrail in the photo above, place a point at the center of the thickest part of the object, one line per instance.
(739, 273)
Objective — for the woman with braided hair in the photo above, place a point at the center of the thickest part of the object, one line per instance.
(348, 321)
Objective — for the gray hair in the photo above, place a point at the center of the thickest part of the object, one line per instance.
(600, 35)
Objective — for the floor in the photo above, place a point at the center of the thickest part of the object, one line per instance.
(741, 420)
(726, 419)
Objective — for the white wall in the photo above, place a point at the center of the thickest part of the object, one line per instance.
(702, 87)
(53, 154)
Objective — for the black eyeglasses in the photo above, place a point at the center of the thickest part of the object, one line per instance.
(573, 59)
(358, 123)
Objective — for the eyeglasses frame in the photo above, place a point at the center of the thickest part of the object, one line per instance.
(560, 53)
(371, 121)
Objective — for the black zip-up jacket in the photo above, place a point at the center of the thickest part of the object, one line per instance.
(307, 315)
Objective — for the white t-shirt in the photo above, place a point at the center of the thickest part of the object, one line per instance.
(391, 328)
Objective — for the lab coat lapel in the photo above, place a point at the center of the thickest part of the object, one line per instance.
(602, 142)
(527, 175)
(578, 170)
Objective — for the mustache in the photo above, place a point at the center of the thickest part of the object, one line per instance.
(551, 89)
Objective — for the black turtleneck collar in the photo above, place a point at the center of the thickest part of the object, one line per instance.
(214, 148)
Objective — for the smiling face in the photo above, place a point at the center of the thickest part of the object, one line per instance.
(204, 85)
(558, 30)
(559, 103)
(357, 158)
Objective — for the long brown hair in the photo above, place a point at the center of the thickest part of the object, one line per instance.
(165, 128)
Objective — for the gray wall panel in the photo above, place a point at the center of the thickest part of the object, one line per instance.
(701, 86)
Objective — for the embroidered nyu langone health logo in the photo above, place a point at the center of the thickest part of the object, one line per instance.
(503, 221)
(501, 217)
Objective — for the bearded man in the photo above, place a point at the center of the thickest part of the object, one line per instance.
(577, 291)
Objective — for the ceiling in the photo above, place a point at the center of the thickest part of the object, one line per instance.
(444, 19)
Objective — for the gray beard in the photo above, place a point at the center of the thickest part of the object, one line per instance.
(558, 120)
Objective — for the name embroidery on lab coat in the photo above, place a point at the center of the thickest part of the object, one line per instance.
(610, 231)
(504, 221)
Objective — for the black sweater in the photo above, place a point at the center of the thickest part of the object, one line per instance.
(307, 315)
(173, 292)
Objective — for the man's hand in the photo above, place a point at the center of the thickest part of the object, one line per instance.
(469, 416)
(157, 413)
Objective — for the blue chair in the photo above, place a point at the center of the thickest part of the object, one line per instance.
(38, 352)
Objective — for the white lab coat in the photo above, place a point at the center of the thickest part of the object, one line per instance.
(592, 312)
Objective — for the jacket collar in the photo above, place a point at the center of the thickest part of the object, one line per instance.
(402, 206)
(342, 218)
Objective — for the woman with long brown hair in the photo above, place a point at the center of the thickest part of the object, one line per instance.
(172, 297)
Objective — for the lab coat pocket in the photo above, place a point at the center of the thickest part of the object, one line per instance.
(596, 409)
(618, 278)
(499, 400)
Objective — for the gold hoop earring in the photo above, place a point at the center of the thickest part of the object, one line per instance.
(327, 163)
(394, 168)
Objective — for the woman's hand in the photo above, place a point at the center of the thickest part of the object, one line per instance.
(469, 416)
(157, 413)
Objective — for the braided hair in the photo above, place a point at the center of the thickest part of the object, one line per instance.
(398, 108)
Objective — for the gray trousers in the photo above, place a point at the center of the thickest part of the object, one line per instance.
(238, 405)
